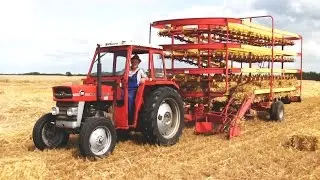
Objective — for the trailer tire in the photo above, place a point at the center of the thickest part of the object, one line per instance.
(45, 136)
(277, 111)
(163, 116)
(285, 100)
(98, 137)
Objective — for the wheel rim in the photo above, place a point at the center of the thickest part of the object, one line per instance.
(50, 135)
(100, 140)
(168, 118)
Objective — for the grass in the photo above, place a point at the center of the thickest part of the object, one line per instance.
(257, 154)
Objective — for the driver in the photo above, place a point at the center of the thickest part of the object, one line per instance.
(136, 77)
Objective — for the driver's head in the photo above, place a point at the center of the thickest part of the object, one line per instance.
(135, 59)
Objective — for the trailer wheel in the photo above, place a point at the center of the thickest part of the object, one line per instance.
(97, 137)
(46, 135)
(285, 100)
(163, 116)
(277, 111)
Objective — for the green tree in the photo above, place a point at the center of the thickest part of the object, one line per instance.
(68, 73)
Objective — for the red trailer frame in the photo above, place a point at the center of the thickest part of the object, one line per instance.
(175, 27)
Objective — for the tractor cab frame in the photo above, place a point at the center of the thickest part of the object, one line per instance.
(112, 63)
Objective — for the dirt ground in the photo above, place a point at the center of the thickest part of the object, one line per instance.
(257, 154)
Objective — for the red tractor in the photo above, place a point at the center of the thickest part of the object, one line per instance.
(98, 109)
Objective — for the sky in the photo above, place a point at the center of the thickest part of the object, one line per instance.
(59, 36)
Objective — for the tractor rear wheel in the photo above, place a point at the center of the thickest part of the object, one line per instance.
(97, 137)
(277, 111)
(163, 116)
(47, 135)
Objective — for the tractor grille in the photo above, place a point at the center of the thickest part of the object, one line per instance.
(62, 92)
(63, 107)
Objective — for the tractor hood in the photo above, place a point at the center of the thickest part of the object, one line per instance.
(81, 93)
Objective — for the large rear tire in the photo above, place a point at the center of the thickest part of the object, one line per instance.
(163, 116)
(97, 137)
(46, 135)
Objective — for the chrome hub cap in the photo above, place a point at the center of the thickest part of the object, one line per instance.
(168, 118)
(100, 140)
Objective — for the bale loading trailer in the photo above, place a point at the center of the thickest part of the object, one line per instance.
(235, 66)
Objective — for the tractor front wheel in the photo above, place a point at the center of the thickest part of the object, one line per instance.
(47, 135)
(97, 137)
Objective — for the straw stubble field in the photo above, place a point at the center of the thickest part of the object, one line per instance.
(257, 154)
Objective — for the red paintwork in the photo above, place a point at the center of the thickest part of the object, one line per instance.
(202, 94)
(204, 25)
(234, 131)
(245, 106)
(215, 122)
(188, 117)
(121, 116)
(161, 82)
(227, 58)
(235, 128)
(195, 21)
(138, 103)
(203, 127)
(200, 46)
(205, 121)
(295, 98)
(141, 92)
(127, 48)
(216, 119)
(120, 91)
(93, 80)
(196, 114)
(262, 106)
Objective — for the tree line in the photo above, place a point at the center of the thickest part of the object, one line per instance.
(46, 74)
(310, 76)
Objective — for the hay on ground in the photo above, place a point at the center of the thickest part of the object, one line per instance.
(302, 142)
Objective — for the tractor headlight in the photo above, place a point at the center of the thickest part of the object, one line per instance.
(72, 111)
(55, 111)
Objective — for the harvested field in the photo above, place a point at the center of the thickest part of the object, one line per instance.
(258, 154)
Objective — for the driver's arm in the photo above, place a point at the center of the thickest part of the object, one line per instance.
(143, 75)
